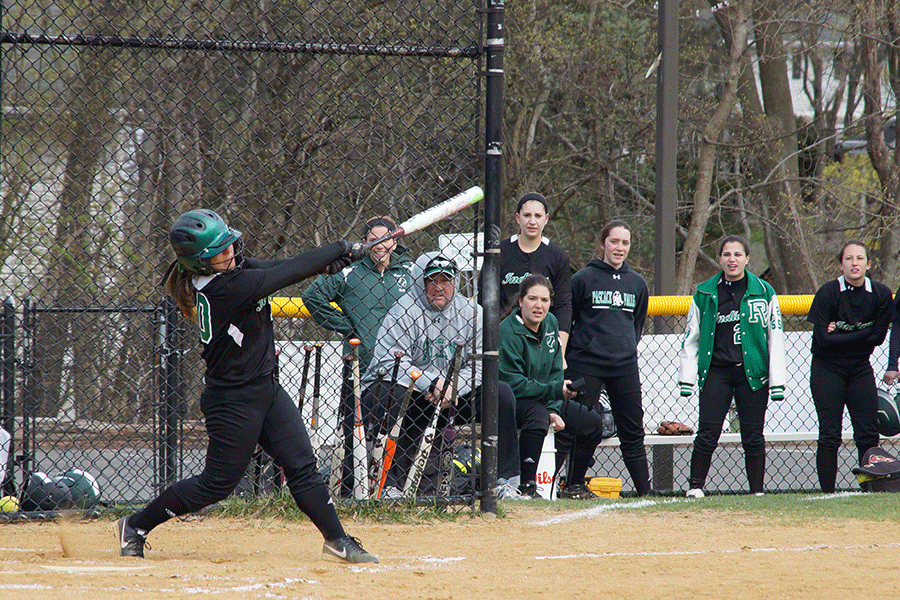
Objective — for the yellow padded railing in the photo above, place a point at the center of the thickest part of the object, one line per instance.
(662, 306)
(658, 306)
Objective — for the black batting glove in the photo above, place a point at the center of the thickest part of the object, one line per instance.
(357, 251)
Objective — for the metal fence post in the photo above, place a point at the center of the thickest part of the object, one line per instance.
(8, 413)
(167, 413)
(491, 292)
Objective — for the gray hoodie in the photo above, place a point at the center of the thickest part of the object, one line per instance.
(427, 336)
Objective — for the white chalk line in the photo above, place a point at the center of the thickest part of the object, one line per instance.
(723, 551)
(643, 503)
(604, 508)
(93, 568)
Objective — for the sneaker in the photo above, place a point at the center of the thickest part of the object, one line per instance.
(347, 549)
(529, 491)
(131, 541)
(577, 491)
(391, 493)
(694, 493)
(507, 490)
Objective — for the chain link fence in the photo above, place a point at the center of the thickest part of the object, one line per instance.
(297, 122)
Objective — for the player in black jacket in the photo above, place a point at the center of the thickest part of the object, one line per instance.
(243, 405)
(530, 253)
(609, 306)
(850, 317)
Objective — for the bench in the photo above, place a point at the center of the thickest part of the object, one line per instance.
(662, 456)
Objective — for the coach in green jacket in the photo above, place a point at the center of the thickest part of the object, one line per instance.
(364, 291)
(734, 345)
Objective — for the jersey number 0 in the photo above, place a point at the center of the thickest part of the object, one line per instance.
(204, 318)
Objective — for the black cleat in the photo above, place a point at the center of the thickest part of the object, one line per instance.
(347, 549)
(577, 491)
(131, 541)
(529, 491)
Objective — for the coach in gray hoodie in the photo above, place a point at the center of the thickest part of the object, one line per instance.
(424, 326)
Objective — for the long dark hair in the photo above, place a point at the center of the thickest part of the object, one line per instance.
(525, 285)
(181, 289)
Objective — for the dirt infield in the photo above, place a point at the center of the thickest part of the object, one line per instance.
(606, 550)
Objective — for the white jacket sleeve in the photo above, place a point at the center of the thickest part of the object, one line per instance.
(777, 369)
(688, 355)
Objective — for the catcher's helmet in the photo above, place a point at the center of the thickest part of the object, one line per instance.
(888, 414)
(197, 236)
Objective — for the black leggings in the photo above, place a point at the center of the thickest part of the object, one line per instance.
(850, 384)
(236, 421)
(721, 385)
(584, 427)
(625, 401)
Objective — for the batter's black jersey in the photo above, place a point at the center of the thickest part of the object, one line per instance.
(235, 317)
(549, 260)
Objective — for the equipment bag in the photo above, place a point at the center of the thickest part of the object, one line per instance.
(880, 471)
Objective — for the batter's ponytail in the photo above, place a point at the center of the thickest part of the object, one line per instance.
(181, 289)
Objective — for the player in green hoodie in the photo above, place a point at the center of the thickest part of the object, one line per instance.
(531, 363)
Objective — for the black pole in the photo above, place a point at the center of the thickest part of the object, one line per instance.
(666, 151)
(493, 134)
(29, 324)
(8, 416)
(666, 196)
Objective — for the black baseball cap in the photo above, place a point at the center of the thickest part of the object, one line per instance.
(440, 264)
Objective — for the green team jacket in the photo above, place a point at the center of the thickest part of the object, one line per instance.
(531, 363)
(364, 296)
(762, 337)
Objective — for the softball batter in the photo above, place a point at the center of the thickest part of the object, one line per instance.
(243, 405)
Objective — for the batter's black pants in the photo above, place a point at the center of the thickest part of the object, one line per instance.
(237, 419)
(852, 384)
(625, 401)
(721, 385)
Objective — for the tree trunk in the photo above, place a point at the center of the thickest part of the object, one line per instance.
(792, 264)
(734, 24)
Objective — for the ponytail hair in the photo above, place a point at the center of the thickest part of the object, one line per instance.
(181, 289)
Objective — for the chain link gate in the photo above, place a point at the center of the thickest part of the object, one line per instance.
(297, 122)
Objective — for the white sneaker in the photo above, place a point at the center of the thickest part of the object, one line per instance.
(507, 490)
(760, 494)
(694, 493)
(391, 493)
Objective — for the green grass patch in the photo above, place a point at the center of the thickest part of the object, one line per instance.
(785, 508)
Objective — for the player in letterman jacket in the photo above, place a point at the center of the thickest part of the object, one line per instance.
(609, 307)
(733, 347)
